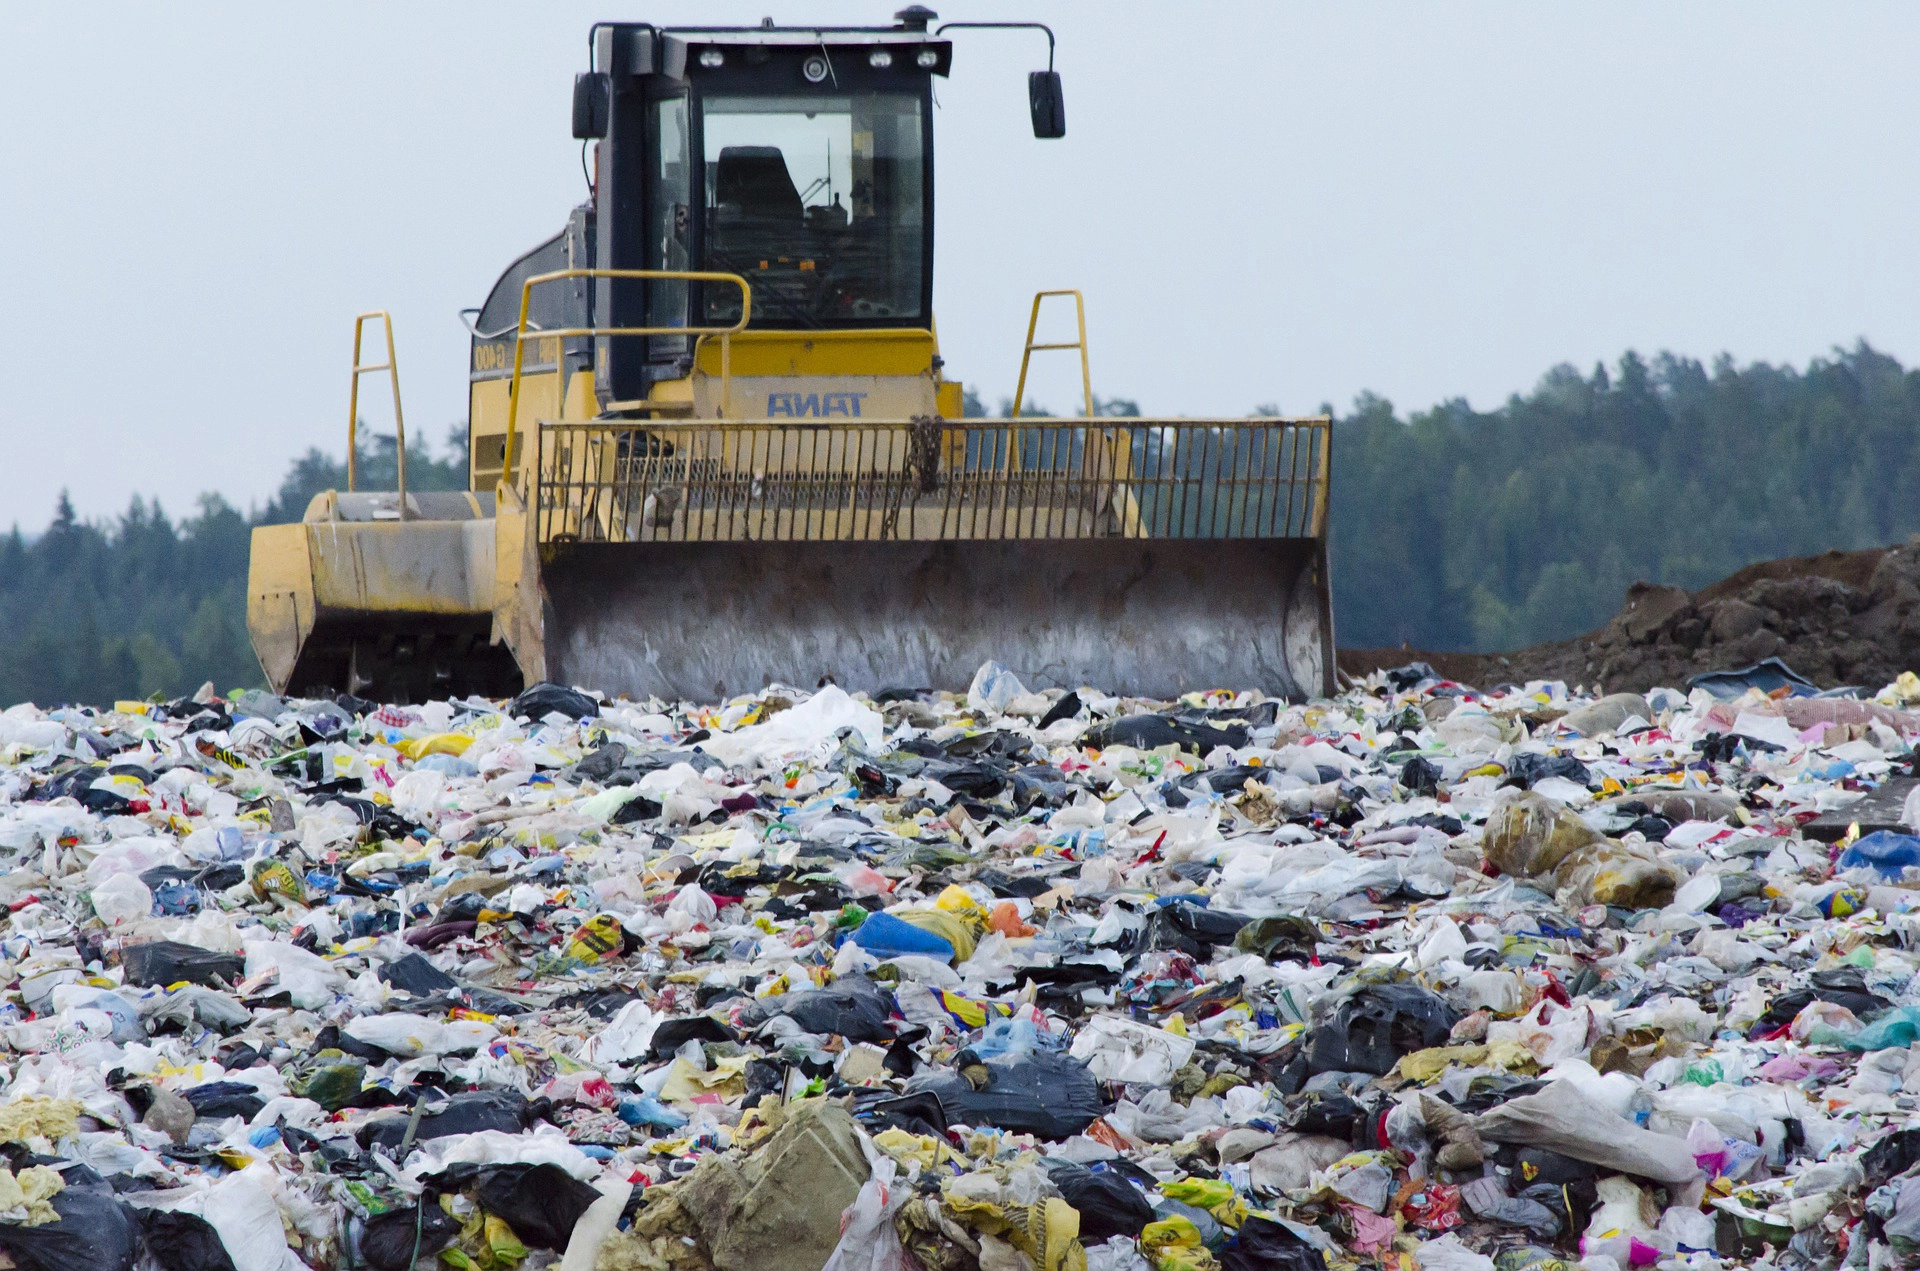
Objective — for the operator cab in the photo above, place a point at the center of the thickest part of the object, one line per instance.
(799, 159)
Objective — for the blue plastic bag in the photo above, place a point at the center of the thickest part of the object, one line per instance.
(885, 936)
(1887, 853)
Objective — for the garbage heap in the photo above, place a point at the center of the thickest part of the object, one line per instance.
(1425, 976)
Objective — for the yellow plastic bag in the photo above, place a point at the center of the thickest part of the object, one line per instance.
(1174, 1244)
(951, 927)
(1211, 1194)
(417, 748)
(598, 937)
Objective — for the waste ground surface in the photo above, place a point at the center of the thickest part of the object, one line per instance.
(1424, 976)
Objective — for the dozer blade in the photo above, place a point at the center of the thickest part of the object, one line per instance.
(711, 558)
(353, 599)
(1151, 618)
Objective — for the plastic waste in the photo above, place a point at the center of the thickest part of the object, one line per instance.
(1887, 854)
(994, 687)
(180, 1241)
(1562, 1118)
(1109, 1204)
(1116, 1049)
(122, 899)
(164, 962)
(1371, 1030)
(541, 1202)
(94, 1232)
(1535, 838)
(1606, 715)
(242, 1210)
(1038, 1093)
(1220, 982)
(407, 1237)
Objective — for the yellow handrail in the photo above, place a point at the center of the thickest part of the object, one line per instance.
(563, 333)
(392, 367)
(1129, 509)
(1026, 354)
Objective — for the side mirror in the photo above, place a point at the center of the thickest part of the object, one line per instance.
(592, 93)
(1044, 99)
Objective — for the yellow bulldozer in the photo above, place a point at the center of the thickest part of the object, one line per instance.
(712, 445)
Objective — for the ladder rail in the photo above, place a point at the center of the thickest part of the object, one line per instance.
(1120, 467)
(392, 367)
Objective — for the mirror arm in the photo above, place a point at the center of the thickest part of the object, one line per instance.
(1005, 26)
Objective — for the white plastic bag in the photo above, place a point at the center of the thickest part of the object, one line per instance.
(1568, 1122)
(307, 978)
(411, 1036)
(993, 687)
(596, 1225)
(1116, 1049)
(806, 729)
(868, 1241)
(248, 1220)
(122, 898)
(1449, 1254)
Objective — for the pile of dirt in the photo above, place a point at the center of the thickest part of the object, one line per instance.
(1839, 618)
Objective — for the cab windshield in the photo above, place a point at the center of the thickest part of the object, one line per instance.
(820, 203)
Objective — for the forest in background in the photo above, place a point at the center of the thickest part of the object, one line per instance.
(1452, 528)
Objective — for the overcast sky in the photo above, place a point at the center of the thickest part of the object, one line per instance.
(1263, 203)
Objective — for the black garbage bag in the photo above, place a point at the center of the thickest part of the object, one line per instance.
(392, 1238)
(634, 810)
(95, 1233)
(543, 699)
(185, 1242)
(671, 1034)
(975, 778)
(164, 962)
(880, 1109)
(1419, 775)
(218, 1099)
(1410, 675)
(1148, 732)
(1109, 1205)
(602, 762)
(1891, 1156)
(1543, 1165)
(1192, 929)
(1281, 938)
(1066, 708)
(1002, 883)
(1040, 785)
(1334, 1115)
(1041, 1093)
(854, 1007)
(1525, 770)
(466, 1113)
(1843, 986)
(540, 1202)
(1369, 1031)
(1231, 779)
(415, 975)
(1262, 1244)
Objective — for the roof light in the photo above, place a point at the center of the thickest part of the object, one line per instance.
(814, 68)
(712, 57)
(928, 59)
(880, 58)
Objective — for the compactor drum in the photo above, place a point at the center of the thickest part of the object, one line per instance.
(711, 443)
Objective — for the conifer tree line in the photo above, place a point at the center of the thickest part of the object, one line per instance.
(1452, 528)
